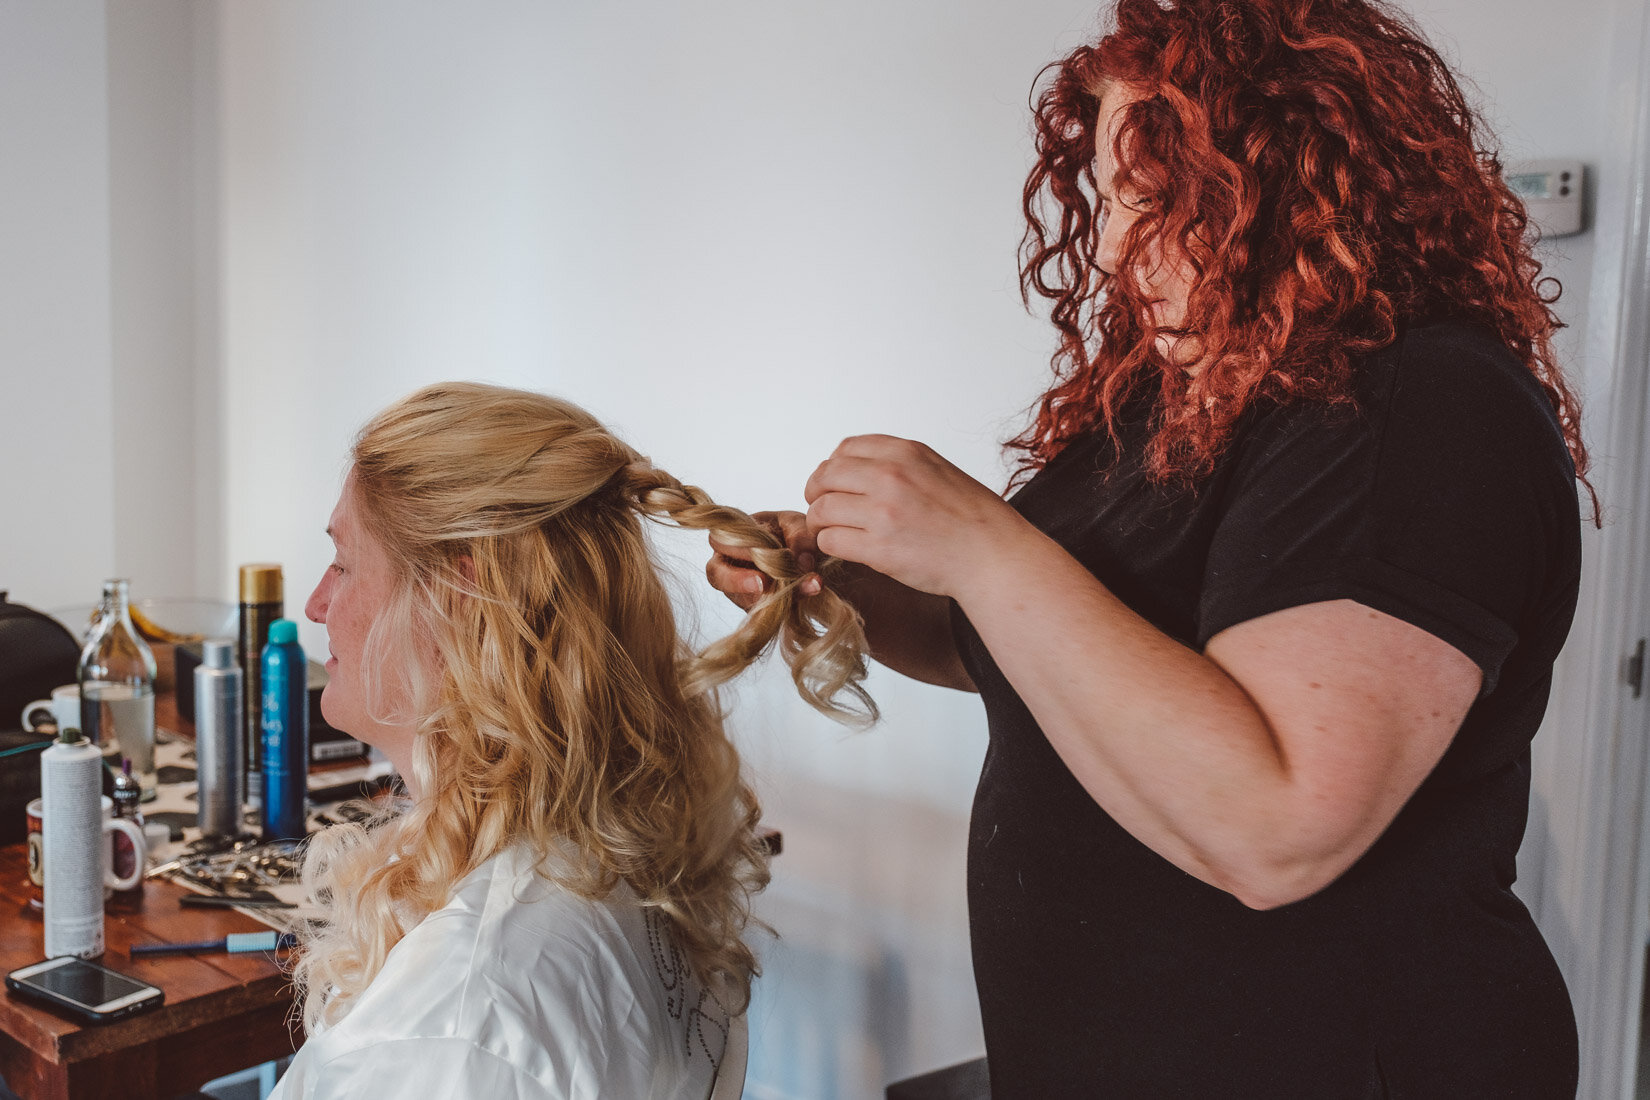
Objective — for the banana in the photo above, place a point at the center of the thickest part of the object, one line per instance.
(154, 632)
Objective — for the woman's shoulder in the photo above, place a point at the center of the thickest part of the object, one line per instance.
(1459, 368)
(525, 968)
(518, 922)
(1440, 388)
(503, 929)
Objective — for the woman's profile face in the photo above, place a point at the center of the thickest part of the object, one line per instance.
(355, 588)
(1165, 276)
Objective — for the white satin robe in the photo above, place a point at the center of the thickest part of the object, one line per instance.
(521, 990)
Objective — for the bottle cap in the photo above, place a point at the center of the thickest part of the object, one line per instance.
(282, 631)
(261, 583)
(218, 653)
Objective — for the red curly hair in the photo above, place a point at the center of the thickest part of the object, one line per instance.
(1318, 167)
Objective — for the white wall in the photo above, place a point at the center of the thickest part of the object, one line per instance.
(152, 294)
(97, 367)
(57, 489)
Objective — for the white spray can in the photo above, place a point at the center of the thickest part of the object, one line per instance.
(72, 842)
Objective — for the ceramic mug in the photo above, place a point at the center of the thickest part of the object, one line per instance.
(63, 709)
(111, 825)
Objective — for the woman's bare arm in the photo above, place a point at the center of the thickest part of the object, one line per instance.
(1265, 765)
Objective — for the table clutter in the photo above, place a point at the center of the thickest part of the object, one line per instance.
(244, 871)
(222, 813)
(190, 925)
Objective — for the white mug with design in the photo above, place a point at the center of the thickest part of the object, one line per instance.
(63, 709)
(111, 824)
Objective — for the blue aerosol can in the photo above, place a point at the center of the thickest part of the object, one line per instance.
(285, 774)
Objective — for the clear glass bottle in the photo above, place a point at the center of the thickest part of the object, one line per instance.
(117, 688)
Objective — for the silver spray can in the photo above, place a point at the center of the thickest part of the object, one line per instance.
(220, 766)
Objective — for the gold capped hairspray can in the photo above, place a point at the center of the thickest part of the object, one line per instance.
(261, 604)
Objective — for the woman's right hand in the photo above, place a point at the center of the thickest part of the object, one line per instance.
(731, 573)
(907, 630)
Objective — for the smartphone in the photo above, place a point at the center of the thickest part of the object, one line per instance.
(84, 990)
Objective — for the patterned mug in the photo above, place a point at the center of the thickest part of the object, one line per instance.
(111, 825)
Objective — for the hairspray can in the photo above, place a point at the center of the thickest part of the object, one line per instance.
(220, 767)
(285, 732)
(261, 604)
(71, 791)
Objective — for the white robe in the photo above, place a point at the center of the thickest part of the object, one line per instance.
(520, 990)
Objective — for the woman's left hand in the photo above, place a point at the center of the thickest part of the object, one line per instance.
(898, 507)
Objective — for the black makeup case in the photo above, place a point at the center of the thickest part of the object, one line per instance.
(37, 654)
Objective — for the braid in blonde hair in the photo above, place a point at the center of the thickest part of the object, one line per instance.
(821, 638)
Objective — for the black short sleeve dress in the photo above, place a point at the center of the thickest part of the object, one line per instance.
(1447, 499)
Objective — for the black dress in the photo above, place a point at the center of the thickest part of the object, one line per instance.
(1448, 500)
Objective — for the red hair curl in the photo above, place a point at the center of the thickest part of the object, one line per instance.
(1320, 170)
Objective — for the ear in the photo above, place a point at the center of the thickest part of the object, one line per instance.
(467, 566)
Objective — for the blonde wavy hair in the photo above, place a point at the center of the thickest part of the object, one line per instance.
(532, 642)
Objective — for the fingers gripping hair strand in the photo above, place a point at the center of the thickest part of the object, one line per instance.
(820, 637)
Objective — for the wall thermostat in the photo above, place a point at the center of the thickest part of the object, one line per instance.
(1552, 192)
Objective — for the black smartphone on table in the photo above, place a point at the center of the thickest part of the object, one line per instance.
(84, 990)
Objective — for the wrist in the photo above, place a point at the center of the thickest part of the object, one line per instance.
(1001, 553)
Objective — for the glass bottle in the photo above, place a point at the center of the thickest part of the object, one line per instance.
(117, 688)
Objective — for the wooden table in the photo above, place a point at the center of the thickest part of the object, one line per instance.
(222, 1012)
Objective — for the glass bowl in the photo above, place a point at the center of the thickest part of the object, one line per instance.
(185, 619)
(171, 619)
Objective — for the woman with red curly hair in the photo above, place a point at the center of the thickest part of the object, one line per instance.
(1265, 633)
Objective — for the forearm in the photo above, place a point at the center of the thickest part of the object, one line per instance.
(1157, 733)
(907, 630)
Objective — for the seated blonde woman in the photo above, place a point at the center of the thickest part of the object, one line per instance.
(558, 908)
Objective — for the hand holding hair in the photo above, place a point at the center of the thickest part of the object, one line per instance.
(732, 572)
(900, 508)
(820, 635)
